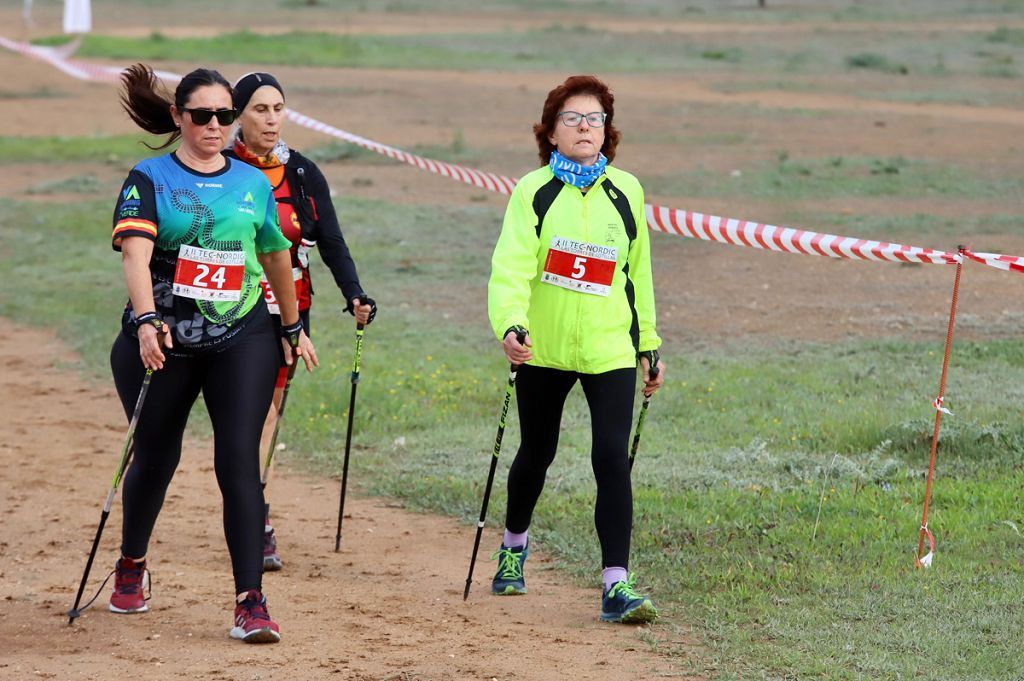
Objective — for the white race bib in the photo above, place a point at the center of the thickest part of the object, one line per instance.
(205, 274)
(580, 266)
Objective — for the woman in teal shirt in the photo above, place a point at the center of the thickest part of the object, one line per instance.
(196, 230)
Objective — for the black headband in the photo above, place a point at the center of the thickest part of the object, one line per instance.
(248, 84)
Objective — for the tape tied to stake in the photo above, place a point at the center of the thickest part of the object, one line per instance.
(937, 403)
(926, 560)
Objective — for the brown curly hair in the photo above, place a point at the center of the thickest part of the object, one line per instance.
(576, 85)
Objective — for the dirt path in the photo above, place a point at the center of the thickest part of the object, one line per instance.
(389, 606)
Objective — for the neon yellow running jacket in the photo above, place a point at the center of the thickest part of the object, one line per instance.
(544, 263)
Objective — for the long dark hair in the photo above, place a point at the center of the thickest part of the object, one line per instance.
(576, 85)
(148, 104)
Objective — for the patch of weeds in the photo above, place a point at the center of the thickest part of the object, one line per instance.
(888, 166)
(44, 92)
(79, 184)
(337, 151)
(959, 438)
(731, 55)
(875, 62)
(1007, 36)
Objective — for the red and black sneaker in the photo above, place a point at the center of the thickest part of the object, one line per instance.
(130, 580)
(252, 621)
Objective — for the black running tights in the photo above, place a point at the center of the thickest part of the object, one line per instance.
(540, 397)
(237, 385)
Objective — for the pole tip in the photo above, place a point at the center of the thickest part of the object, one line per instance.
(73, 614)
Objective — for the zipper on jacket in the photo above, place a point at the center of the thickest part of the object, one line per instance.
(579, 297)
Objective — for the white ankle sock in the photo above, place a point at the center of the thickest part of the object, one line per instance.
(610, 575)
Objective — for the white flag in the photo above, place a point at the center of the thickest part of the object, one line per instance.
(77, 16)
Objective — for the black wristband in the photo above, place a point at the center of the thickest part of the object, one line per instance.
(291, 333)
(652, 358)
(153, 319)
(520, 332)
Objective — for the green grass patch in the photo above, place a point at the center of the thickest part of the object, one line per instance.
(113, 149)
(792, 178)
(875, 62)
(742, 448)
(1007, 36)
(904, 50)
(77, 184)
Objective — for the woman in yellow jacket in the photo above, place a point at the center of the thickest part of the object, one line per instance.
(572, 273)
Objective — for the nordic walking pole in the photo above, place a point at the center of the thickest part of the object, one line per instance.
(654, 371)
(348, 435)
(512, 368)
(126, 454)
(277, 423)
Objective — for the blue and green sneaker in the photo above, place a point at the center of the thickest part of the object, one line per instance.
(621, 603)
(508, 580)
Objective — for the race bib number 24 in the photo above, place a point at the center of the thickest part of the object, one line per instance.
(205, 274)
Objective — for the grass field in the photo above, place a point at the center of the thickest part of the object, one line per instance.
(776, 501)
(779, 484)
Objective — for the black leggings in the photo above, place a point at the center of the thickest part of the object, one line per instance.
(237, 384)
(540, 397)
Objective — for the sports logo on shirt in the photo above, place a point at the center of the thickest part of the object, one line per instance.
(247, 205)
(130, 202)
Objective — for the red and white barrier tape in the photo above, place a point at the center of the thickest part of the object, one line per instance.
(937, 403)
(757, 235)
(659, 218)
(1010, 263)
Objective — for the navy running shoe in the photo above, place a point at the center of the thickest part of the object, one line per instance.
(621, 603)
(508, 580)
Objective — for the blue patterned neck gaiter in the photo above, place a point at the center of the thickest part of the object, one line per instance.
(573, 173)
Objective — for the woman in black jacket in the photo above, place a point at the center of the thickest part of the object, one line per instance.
(307, 219)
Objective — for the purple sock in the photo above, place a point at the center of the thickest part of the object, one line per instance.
(610, 575)
(514, 539)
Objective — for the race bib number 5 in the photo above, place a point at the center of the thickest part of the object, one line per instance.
(205, 274)
(579, 266)
(268, 293)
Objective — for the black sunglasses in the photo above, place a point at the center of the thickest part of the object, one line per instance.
(203, 116)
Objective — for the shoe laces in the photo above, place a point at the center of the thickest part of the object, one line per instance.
(255, 606)
(624, 589)
(508, 563)
(128, 580)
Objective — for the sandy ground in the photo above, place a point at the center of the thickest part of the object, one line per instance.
(389, 606)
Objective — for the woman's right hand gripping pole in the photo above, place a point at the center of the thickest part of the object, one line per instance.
(516, 345)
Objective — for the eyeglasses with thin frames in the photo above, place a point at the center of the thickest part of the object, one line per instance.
(572, 119)
(203, 116)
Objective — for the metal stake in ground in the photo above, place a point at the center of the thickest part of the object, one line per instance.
(348, 435)
(654, 371)
(277, 422)
(126, 454)
(494, 464)
(923, 561)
